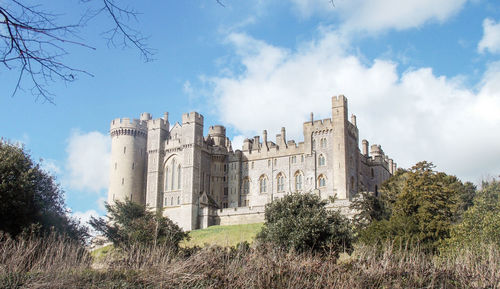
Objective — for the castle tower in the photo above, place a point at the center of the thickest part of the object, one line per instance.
(128, 159)
(340, 146)
(192, 135)
(158, 130)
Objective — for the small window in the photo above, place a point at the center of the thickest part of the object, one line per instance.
(322, 181)
(321, 160)
(302, 158)
(281, 183)
(246, 186)
(123, 181)
(133, 165)
(263, 184)
(124, 150)
(178, 200)
(268, 163)
(298, 181)
(373, 173)
(323, 142)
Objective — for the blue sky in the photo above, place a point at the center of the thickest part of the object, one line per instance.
(423, 78)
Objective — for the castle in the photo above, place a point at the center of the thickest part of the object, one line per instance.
(200, 181)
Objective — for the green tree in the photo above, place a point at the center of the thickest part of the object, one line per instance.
(422, 205)
(301, 222)
(481, 223)
(130, 223)
(30, 197)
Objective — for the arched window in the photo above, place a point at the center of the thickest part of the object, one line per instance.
(173, 175)
(281, 183)
(179, 177)
(166, 179)
(246, 186)
(263, 184)
(323, 142)
(321, 160)
(321, 181)
(298, 181)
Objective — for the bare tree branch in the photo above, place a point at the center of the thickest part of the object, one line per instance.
(32, 43)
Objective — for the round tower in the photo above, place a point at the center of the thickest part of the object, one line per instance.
(218, 134)
(128, 159)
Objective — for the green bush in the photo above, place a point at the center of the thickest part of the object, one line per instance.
(131, 224)
(301, 222)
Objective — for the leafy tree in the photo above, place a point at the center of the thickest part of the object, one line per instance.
(30, 198)
(369, 208)
(301, 222)
(481, 223)
(422, 205)
(130, 223)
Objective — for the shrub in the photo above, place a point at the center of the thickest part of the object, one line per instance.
(131, 224)
(301, 222)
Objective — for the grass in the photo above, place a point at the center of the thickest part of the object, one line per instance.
(225, 236)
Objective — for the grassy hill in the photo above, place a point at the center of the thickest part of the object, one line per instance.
(223, 235)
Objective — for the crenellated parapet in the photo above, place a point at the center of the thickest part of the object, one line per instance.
(130, 127)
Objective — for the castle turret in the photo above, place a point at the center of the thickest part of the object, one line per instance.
(218, 134)
(128, 159)
(340, 146)
(365, 145)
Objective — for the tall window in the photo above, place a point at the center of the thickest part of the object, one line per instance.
(166, 180)
(263, 184)
(246, 186)
(323, 142)
(321, 160)
(298, 181)
(281, 183)
(173, 175)
(179, 177)
(321, 181)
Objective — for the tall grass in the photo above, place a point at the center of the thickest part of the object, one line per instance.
(55, 263)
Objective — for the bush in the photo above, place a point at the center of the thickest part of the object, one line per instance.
(133, 224)
(301, 222)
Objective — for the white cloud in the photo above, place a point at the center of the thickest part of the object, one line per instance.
(491, 37)
(51, 166)
(84, 217)
(88, 161)
(237, 142)
(378, 15)
(416, 115)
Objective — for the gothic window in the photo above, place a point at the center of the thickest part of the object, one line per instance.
(298, 181)
(321, 160)
(281, 183)
(246, 186)
(166, 179)
(263, 184)
(179, 177)
(173, 175)
(321, 181)
(323, 142)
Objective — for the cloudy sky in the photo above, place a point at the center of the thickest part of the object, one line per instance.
(422, 76)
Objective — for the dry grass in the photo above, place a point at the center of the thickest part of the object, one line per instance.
(58, 264)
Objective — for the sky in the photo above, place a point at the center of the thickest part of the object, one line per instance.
(422, 77)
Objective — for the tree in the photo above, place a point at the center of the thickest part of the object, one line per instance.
(30, 197)
(301, 222)
(481, 223)
(33, 43)
(422, 205)
(130, 224)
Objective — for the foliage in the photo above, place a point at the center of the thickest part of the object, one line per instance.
(301, 222)
(369, 208)
(132, 224)
(481, 223)
(422, 206)
(30, 199)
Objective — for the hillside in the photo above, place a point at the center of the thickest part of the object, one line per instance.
(223, 235)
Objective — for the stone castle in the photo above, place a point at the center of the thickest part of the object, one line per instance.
(201, 181)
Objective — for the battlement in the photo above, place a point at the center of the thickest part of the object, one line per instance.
(217, 130)
(319, 124)
(128, 125)
(339, 100)
(192, 117)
